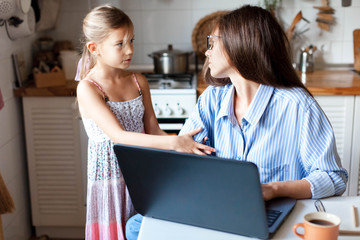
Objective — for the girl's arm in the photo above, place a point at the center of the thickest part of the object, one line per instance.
(93, 106)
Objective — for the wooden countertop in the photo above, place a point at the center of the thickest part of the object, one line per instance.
(31, 91)
(335, 82)
(320, 82)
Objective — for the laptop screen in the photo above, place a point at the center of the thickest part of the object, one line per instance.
(203, 191)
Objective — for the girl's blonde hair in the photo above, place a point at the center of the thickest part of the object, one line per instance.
(97, 25)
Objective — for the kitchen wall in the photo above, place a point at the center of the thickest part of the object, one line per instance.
(17, 225)
(160, 22)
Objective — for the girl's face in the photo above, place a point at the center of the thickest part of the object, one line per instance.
(217, 58)
(117, 49)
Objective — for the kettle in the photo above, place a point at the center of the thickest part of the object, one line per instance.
(306, 63)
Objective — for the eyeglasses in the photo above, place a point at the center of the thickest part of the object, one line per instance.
(210, 41)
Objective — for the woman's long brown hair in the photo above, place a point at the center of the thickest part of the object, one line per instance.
(258, 48)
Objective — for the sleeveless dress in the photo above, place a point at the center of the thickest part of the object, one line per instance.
(108, 202)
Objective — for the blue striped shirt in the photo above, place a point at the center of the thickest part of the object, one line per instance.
(284, 132)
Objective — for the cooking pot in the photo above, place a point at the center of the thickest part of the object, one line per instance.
(170, 61)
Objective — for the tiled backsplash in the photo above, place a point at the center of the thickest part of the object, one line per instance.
(160, 22)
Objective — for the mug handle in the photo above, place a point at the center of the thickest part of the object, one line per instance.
(295, 228)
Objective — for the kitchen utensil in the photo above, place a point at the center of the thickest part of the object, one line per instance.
(356, 34)
(319, 206)
(324, 9)
(49, 13)
(170, 61)
(69, 60)
(306, 63)
(7, 8)
(291, 29)
(325, 19)
(25, 28)
(23, 5)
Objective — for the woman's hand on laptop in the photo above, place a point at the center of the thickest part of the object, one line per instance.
(268, 190)
(298, 189)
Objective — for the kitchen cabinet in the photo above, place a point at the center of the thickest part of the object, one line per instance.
(343, 112)
(354, 182)
(340, 112)
(55, 157)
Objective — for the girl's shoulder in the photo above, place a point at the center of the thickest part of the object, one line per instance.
(139, 77)
(85, 84)
(141, 80)
(88, 83)
(89, 88)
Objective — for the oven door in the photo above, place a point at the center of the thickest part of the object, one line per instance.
(171, 125)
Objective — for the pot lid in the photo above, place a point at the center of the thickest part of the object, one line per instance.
(168, 52)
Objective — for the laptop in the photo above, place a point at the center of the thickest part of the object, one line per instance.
(203, 191)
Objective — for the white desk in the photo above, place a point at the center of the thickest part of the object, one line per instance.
(163, 230)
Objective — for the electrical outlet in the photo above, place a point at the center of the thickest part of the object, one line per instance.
(345, 3)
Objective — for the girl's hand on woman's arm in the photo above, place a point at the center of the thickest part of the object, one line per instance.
(186, 143)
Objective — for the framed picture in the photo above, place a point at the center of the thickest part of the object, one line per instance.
(20, 68)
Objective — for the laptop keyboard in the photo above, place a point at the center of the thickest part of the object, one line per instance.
(272, 215)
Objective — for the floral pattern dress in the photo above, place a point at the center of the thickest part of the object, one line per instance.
(108, 202)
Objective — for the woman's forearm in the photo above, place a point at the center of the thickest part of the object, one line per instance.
(299, 189)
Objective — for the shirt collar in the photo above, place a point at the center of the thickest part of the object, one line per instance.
(256, 108)
(258, 104)
(226, 107)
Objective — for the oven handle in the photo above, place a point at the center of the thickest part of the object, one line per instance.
(171, 126)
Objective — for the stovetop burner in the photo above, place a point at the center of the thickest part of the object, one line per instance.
(170, 81)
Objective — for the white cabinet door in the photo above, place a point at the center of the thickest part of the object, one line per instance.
(54, 161)
(340, 112)
(354, 183)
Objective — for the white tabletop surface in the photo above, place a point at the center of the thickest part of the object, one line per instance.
(163, 230)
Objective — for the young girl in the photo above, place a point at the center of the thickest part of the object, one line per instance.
(115, 106)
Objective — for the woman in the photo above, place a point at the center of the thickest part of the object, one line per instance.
(258, 110)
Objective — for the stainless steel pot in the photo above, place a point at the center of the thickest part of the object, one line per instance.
(170, 61)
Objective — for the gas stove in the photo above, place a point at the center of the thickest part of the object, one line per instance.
(173, 97)
(171, 81)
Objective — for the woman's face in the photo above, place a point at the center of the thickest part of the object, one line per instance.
(217, 57)
(117, 49)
